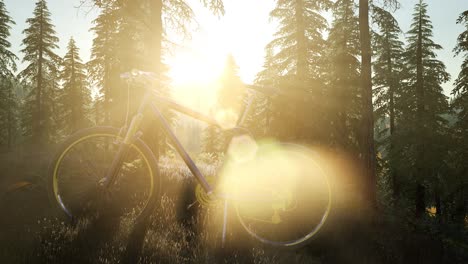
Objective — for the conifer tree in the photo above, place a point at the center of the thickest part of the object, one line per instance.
(41, 74)
(7, 58)
(8, 101)
(344, 105)
(103, 67)
(231, 96)
(295, 56)
(75, 97)
(231, 89)
(460, 129)
(259, 119)
(424, 129)
(388, 81)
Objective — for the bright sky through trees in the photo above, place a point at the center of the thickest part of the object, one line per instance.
(243, 31)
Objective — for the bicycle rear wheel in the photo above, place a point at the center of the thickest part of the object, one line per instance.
(81, 164)
(286, 197)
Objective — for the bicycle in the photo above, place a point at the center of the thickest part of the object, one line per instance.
(108, 162)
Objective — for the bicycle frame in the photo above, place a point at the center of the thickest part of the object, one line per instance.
(132, 134)
(135, 123)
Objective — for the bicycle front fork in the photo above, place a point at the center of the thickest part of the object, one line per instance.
(116, 164)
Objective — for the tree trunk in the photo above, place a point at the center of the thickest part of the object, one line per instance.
(420, 201)
(367, 118)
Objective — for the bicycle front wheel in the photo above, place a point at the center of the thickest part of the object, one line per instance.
(285, 198)
(78, 170)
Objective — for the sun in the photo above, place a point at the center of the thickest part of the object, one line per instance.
(197, 63)
(195, 68)
(194, 79)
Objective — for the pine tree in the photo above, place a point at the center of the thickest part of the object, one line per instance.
(389, 71)
(344, 105)
(75, 97)
(232, 89)
(8, 101)
(295, 57)
(103, 67)
(460, 129)
(424, 130)
(258, 120)
(229, 103)
(7, 58)
(41, 74)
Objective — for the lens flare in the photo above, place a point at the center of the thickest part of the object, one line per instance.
(242, 148)
(282, 195)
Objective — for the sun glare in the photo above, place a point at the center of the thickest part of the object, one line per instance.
(194, 73)
(192, 68)
(197, 63)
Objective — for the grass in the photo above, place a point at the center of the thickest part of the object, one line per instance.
(32, 232)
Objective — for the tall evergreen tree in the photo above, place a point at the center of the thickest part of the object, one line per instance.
(103, 67)
(41, 74)
(231, 89)
(295, 57)
(259, 119)
(460, 107)
(230, 99)
(388, 81)
(75, 97)
(228, 107)
(424, 134)
(8, 101)
(7, 58)
(344, 104)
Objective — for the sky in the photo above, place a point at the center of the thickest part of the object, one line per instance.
(243, 31)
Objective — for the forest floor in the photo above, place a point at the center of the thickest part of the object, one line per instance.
(30, 231)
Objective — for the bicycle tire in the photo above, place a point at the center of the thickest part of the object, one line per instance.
(257, 208)
(112, 135)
